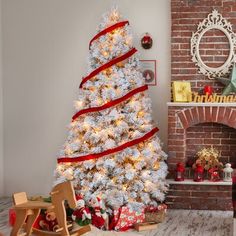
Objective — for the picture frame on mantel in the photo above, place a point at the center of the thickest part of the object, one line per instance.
(149, 71)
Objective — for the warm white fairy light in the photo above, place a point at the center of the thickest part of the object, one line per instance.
(78, 105)
(68, 174)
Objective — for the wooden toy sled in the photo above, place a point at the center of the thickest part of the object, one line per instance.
(31, 210)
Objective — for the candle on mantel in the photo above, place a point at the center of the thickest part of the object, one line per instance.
(198, 173)
(179, 172)
(228, 171)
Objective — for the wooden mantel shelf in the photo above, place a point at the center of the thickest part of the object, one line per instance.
(205, 182)
(204, 104)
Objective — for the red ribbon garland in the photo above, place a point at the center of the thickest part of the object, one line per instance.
(109, 151)
(107, 30)
(111, 103)
(107, 65)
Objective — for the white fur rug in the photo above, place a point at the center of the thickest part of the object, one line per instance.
(177, 223)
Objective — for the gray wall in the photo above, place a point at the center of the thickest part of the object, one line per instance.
(1, 108)
(45, 47)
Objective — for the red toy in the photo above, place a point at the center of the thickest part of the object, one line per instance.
(99, 215)
(49, 222)
(81, 215)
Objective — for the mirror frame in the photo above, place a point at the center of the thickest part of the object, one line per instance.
(213, 21)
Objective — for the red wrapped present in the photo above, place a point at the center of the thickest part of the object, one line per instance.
(12, 217)
(124, 218)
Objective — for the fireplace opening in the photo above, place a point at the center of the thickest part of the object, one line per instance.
(206, 135)
(192, 128)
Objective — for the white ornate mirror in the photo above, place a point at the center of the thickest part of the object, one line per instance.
(224, 46)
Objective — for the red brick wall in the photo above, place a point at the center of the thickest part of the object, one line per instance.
(186, 14)
(201, 197)
(214, 48)
(190, 128)
(222, 137)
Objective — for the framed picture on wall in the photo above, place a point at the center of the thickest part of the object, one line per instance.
(148, 69)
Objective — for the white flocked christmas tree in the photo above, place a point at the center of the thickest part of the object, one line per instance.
(112, 150)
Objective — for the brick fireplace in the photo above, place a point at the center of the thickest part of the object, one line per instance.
(193, 126)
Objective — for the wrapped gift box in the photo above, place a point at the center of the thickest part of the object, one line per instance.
(125, 218)
(145, 226)
(181, 91)
(156, 214)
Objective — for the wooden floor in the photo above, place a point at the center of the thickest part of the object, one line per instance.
(177, 223)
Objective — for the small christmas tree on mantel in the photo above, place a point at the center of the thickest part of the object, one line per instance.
(112, 150)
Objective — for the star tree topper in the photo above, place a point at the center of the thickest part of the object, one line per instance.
(230, 83)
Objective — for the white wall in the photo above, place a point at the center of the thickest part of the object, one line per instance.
(44, 57)
(1, 109)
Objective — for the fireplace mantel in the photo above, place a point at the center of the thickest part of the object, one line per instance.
(205, 182)
(204, 104)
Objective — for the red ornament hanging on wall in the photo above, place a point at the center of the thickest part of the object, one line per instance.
(146, 41)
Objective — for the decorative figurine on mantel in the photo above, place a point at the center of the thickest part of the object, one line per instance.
(208, 90)
(228, 170)
(181, 91)
(229, 83)
(179, 172)
(214, 174)
(82, 214)
(208, 158)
